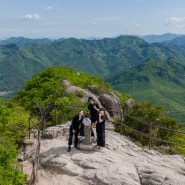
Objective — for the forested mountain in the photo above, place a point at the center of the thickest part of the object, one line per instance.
(104, 58)
(162, 82)
(16, 66)
(97, 57)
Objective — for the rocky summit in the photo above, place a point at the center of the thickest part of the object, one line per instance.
(121, 162)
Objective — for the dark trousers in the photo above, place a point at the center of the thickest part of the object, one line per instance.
(71, 137)
(93, 120)
(82, 131)
(92, 133)
(101, 138)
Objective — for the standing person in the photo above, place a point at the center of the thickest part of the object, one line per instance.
(100, 128)
(74, 129)
(93, 109)
(87, 129)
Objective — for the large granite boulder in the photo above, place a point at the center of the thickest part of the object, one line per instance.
(56, 131)
(111, 103)
(85, 94)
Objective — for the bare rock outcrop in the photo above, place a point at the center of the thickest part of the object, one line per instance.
(127, 105)
(121, 162)
(66, 83)
(77, 90)
(56, 131)
(111, 103)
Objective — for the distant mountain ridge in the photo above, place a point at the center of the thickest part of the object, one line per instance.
(178, 41)
(105, 58)
(160, 38)
(148, 38)
(22, 41)
(97, 57)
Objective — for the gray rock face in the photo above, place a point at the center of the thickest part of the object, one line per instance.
(66, 83)
(111, 103)
(121, 162)
(56, 131)
(127, 105)
(85, 93)
(87, 135)
(73, 89)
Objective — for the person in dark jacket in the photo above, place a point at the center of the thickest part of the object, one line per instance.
(100, 128)
(74, 129)
(93, 109)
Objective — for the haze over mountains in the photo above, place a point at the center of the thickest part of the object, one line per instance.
(149, 67)
(160, 38)
(147, 38)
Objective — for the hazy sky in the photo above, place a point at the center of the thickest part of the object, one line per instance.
(90, 18)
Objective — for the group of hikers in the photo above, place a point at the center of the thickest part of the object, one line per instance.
(82, 125)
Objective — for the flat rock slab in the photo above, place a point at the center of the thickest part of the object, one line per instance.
(121, 162)
(86, 147)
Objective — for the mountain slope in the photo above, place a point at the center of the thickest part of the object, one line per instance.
(161, 82)
(96, 57)
(16, 66)
(103, 57)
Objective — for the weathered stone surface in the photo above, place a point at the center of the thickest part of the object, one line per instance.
(127, 105)
(85, 93)
(56, 131)
(111, 103)
(87, 135)
(66, 83)
(121, 162)
(89, 147)
(72, 90)
(91, 88)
